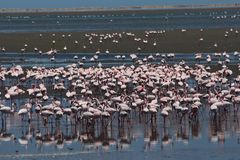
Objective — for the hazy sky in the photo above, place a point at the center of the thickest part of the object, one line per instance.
(100, 3)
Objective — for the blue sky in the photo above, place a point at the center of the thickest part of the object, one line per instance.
(100, 3)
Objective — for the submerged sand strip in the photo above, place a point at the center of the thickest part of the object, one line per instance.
(171, 41)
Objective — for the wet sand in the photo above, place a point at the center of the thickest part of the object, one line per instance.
(171, 41)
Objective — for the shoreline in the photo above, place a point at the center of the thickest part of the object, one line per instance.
(121, 9)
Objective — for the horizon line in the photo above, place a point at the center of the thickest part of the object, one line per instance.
(122, 8)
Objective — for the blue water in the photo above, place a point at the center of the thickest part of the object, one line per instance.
(145, 141)
(95, 21)
(107, 60)
(102, 3)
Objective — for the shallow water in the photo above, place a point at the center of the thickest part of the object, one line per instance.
(107, 60)
(119, 21)
(138, 139)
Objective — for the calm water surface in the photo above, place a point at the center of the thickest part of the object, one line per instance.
(138, 139)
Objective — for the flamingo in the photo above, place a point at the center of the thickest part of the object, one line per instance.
(23, 112)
